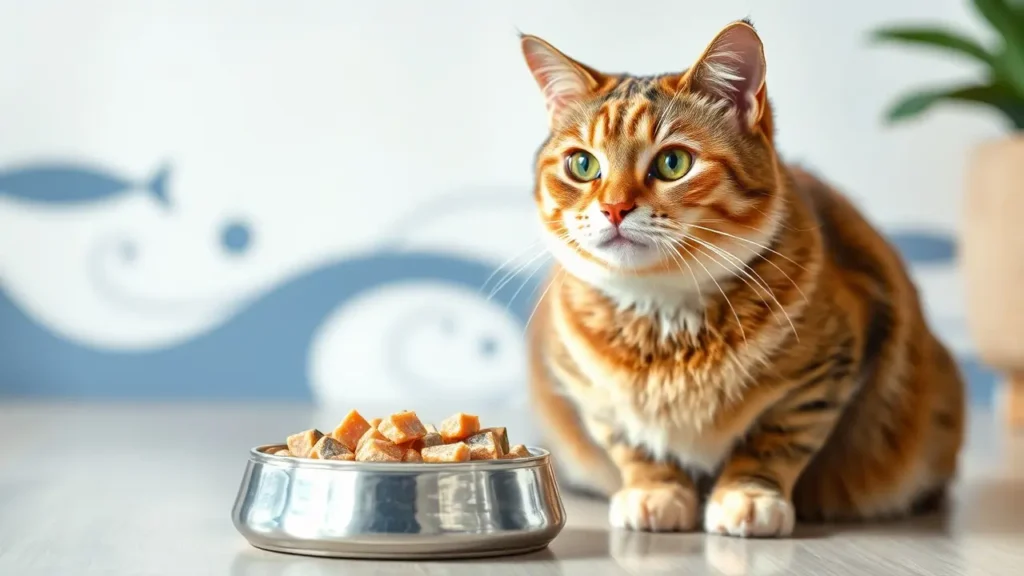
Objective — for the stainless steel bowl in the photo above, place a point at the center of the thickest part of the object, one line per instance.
(401, 510)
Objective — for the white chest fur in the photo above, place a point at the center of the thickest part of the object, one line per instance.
(642, 419)
(686, 443)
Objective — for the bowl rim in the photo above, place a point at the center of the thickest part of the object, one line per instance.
(540, 457)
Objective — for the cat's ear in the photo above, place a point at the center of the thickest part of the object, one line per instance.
(732, 68)
(561, 79)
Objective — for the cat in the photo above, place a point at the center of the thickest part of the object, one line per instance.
(723, 335)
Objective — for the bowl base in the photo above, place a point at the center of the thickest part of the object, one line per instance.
(441, 555)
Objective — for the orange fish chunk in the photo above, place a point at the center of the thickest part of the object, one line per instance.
(371, 434)
(518, 451)
(459, 427)
(300, 444)
(431, 439)
(351, 429)
(484, 446)
(457, 452)
(374, 450)
(403, 437)
(330, 449)
(402, 427)
(501, 435)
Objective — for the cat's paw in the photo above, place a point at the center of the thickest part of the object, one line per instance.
(747, 513)
(661, 507)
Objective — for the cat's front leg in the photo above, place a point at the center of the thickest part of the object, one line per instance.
(753, 494)
(655, 496)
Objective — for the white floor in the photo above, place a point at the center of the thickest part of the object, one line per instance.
(130, 490)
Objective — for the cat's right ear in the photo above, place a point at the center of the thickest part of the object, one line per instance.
(561, 79)
(732, 70)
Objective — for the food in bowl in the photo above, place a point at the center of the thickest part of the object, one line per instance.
(351, 429)
(457, 452)
(403, 437)
(302, 444)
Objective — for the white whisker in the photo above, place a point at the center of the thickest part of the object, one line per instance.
(751, 242)
(526, 281)
(681, 229)
(561, 275)
(759, 281)
(680, 261)
(724, 295)
(509, 277)
(507, 262)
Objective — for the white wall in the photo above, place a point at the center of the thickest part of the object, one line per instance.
(324, 125)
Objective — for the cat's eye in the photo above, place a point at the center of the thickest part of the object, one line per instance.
(582, 166)
(672, 164)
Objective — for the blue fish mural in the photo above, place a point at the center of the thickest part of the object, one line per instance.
(982, 381)
(63, 184)
(924, 247)
(259, 353)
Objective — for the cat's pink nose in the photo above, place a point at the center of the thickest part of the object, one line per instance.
(615, 213)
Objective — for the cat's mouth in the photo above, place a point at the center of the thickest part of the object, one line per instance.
(617, 248)
(620, 240)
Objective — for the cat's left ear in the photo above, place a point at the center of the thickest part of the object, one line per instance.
(561, 79)
(732, 68)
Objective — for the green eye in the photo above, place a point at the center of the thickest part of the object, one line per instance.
(672, 164)
(582, 166)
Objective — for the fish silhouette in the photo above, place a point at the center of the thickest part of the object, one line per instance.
(69, 184)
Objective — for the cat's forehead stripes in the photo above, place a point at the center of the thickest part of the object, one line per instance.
(626, 111)
(647, 87)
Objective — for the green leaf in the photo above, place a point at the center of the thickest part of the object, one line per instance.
(1002, 15)
(996, 96)
(1008, 21)
(938, 38)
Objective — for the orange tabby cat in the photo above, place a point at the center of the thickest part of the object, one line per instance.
(718, 315)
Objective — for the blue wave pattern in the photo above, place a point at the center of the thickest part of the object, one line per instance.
(262, 351)
(924, 247)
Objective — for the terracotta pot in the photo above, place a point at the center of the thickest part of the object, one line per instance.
(992, 260)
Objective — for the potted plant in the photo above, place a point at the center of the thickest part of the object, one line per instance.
(992, 233)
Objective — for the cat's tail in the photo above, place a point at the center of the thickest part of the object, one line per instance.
(580, 464)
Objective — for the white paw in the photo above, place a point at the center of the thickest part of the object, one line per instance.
(749, 514)
(656, 508)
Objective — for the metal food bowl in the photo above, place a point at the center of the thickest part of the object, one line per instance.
(398, 510)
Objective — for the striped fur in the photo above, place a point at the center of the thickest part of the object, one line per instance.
(750, 344)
